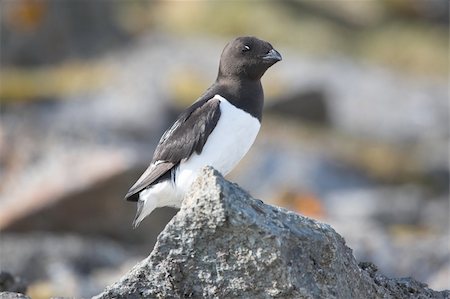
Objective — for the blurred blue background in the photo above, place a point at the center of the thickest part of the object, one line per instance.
(355, 129)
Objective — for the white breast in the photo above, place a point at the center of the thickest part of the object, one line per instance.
(230, 140)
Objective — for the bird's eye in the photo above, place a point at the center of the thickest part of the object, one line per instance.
(245, 48)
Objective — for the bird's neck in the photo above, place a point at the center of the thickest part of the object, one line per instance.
(243, 93)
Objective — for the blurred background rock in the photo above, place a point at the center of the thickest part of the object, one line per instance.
(355, 131)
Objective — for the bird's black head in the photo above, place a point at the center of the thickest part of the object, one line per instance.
(247, 58)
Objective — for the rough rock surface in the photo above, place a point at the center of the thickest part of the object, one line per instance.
(225, 244)
(12, 295)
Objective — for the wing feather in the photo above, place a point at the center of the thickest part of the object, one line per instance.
(187, 135)
(150, 176)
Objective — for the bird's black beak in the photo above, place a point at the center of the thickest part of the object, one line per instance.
(273, 56)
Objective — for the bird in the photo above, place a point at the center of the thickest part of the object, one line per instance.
(217, 130)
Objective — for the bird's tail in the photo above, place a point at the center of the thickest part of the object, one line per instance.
(144, 207)
(138, 218)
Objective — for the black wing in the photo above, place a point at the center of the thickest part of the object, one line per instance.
(187, 135)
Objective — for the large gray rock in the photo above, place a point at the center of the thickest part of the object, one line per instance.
(225, 244)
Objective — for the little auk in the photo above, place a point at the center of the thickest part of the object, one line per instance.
(216, 130)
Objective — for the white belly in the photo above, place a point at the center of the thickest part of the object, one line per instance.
(230, 140)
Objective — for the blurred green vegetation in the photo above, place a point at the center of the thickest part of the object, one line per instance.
(54, 82)
(389, 32)
(410, 36)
